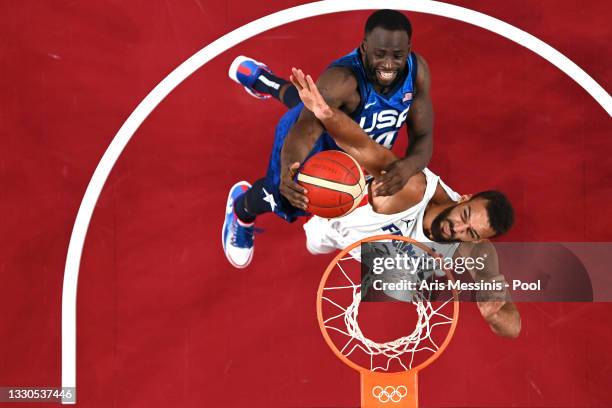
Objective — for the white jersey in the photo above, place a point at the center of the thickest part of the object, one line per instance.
(326, 235)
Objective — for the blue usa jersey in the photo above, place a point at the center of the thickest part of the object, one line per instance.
(381, 116)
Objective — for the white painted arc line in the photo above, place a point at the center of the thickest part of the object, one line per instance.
(226, 42)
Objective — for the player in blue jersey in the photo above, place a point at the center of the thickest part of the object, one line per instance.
(381, 85)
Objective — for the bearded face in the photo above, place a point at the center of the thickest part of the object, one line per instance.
(467, 221)
(442, 227)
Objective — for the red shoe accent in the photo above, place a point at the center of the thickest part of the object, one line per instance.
(244, 70)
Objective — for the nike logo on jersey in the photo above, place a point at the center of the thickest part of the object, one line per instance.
(369, 104)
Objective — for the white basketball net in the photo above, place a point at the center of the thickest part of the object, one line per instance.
(401, 350)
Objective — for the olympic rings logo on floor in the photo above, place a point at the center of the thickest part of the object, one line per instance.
(389, 393)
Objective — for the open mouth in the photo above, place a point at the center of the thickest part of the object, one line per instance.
(386, 76)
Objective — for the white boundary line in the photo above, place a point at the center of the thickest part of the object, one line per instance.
(150, 102)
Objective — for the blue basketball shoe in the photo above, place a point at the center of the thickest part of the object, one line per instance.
(237, 237)
(246, 72)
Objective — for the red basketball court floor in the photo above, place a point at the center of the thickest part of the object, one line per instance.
(163, 320)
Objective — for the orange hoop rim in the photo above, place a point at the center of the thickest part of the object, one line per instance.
(328, 339)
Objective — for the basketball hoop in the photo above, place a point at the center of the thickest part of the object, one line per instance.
(388, 368)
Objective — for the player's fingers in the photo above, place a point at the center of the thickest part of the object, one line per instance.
(312, 86)
(378, 184)
(303, 80)
(383, 192)
(394, 186)
(388, 187)
(293, 190)
(499, 304)
(295, 83)
(296, 199)
(295, 193)
(383, 178)
(293, 168)
(375, 186)
(292, 171)
(381, 182)
(296, 187)
(294, 79)
(290, 183)
(298, 75)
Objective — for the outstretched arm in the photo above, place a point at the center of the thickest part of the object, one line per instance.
(339, 88)
(346, 132)
(496, 307)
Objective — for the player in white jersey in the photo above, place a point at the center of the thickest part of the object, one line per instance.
(425, 209)
(326, 235)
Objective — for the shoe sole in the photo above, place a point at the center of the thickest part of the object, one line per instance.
(240, 183)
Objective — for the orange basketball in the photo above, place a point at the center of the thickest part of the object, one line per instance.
(334, 181)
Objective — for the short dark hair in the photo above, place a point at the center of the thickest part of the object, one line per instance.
(499, 210)
(389, 20)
